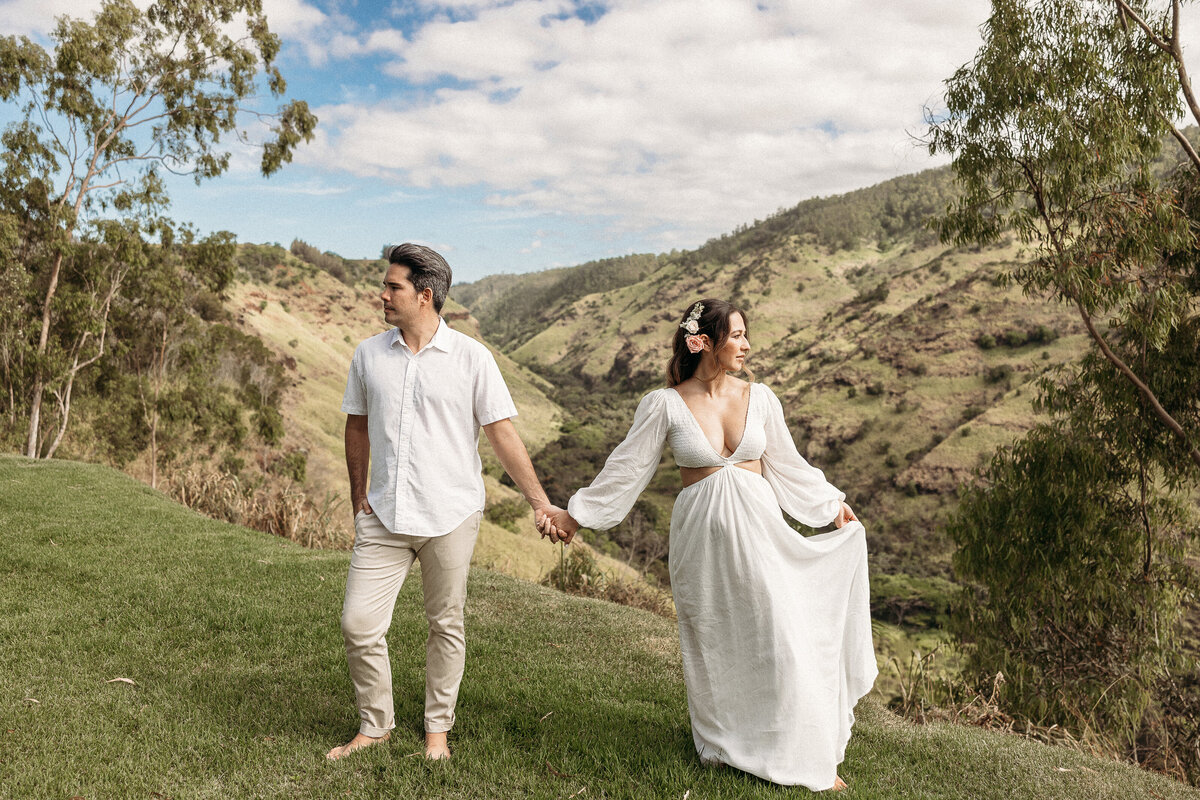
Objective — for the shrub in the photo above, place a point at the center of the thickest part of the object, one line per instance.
(208, 305)
(268, 423)
(998, 374)
(873, 296)
(578, 573)
(506, 513)
(1042, 334)
(1067, 604)
(971, 412)
(1014, 338)
(292, 465)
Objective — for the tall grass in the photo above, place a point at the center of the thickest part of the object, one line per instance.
(280, 508)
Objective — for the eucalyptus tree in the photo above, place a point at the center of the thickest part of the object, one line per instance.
(1055, 128)
(1073, 547)
(100, 116)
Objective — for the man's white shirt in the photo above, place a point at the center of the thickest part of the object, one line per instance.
(424, 411)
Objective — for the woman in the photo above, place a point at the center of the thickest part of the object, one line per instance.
(774, 628)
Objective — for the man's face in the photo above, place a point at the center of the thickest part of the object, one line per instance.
(400, 298)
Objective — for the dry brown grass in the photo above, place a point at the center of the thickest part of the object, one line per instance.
(927, 694)
(276, 507)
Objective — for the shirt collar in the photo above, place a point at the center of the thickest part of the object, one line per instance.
(442, 339)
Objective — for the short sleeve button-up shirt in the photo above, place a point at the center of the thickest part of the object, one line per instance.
(424, 411)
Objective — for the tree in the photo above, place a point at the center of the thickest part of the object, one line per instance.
(1071, 550)
(158, 312)
(116, 101)
(1055, 129)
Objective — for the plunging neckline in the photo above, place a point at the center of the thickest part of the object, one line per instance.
(699, 427)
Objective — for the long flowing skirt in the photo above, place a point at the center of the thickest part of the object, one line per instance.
(775, 630)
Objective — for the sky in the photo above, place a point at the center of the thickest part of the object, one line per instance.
(517, 135)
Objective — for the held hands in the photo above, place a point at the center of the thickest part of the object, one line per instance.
(556, 523)
(844, 516)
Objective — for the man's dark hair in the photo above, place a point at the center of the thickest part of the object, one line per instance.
(427, 270)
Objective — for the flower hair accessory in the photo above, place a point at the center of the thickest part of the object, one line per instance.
(692, 323)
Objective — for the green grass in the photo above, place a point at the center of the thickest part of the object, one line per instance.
(231, 638)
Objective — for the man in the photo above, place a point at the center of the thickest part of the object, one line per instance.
(415, 400)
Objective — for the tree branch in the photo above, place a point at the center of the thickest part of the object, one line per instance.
(1145, 390)
(1185, 82)
(1187, 146)
(1158, 42)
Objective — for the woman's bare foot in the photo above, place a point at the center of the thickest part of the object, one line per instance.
(359, 741)
(838, 784)
(436, 748)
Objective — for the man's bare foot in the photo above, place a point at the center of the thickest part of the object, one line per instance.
(436, 748)
(838, 784)
(359, 741)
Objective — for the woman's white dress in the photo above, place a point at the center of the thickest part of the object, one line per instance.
(775, 627)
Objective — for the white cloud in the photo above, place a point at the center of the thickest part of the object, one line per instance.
(662, 114)
(37, 17)
(294, 20)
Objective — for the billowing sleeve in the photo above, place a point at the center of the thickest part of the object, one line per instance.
(800, 488)
(628, 469)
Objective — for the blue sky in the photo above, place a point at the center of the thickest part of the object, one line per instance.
(525, 134)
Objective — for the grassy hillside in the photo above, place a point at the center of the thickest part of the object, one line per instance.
(902, 363)
(236, 682)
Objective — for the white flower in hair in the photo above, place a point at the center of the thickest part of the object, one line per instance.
(692, 323)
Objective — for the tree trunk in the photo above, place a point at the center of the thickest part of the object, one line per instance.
(77, 365)
(39, 382)
(35, 413)
(162, 365)
(64, 405)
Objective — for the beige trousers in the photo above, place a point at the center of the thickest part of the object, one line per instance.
(378, 567)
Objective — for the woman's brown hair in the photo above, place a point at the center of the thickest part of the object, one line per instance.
(714, 321)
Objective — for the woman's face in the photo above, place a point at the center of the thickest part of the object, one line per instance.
(732, 355)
